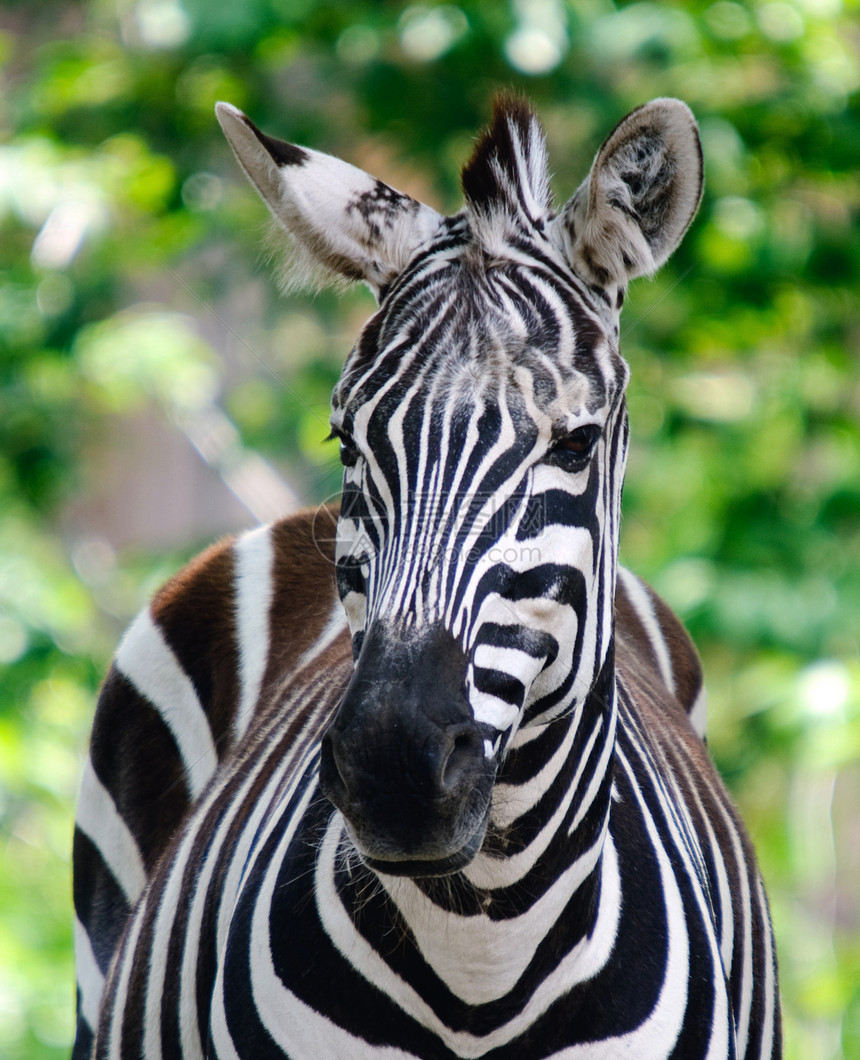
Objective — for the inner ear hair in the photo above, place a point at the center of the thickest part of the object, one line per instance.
(640, 197)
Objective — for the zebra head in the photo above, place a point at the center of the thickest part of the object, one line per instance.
(483, 431)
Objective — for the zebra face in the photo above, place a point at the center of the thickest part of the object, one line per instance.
(484, 447)
(483, 433)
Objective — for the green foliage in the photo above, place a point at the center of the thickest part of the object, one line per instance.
(130, 284)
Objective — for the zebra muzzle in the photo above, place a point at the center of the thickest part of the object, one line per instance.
(403, 760)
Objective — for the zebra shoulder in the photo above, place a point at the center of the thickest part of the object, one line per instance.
(194, 665)
(650, 636)
(225, 630)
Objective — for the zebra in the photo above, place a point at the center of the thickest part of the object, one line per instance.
(422, 775)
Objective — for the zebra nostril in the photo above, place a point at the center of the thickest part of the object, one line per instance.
(459, 761)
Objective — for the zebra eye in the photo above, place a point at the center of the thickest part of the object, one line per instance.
(572, 451)
(348, 454)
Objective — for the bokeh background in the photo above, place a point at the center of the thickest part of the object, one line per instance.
(156, 390)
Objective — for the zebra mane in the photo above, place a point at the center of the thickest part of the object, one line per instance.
(506, 179)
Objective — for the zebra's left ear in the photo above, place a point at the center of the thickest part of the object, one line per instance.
(346, 221)
(642, 193)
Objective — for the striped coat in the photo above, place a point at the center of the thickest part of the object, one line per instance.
(252, 634)
(425, 778)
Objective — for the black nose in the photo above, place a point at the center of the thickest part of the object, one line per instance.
(395, 757)
(403, 759)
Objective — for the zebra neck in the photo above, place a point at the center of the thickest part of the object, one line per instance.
(551, 801)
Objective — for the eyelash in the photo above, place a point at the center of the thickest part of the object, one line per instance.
(348, 453)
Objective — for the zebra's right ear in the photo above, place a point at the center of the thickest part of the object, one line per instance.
(642, 193)
(345, 220)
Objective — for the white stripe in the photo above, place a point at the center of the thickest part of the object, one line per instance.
(745, 904)
(146, 660)
(418, 521)
(254, 554)
(188, 1018)
(727, 922)
(769, 977)
(511, 661)
(165, 923)
(682, 832)
(222, 1040)
(641, 602)
(699, 713)
(120, 998)
(91, 982)
(741, 907)
(488, 709)
(600, 770)
(99, 819)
